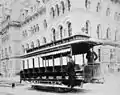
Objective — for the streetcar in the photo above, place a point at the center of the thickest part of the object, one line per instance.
(51, 60)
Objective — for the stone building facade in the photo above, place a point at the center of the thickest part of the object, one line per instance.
(50, 20)
(98, 19)
(10, 48)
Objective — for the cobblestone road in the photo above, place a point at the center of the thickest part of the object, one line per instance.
(110, 87)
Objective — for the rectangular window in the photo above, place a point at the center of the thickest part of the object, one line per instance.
(41, 62)
(36, 62)
(30, 63)
(50, 62)
(78, 59)
(64, 61)
(47, 63)
(57, 62)
(25, 64)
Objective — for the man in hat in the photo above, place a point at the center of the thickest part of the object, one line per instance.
(71, 71)
(91, 56)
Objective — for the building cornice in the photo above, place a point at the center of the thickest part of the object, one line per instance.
(36, 14)
(10, 23)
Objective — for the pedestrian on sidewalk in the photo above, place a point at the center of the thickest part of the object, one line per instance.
(13, 85)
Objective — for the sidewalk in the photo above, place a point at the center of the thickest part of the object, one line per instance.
(7, 82)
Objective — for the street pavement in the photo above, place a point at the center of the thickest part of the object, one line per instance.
(110, 87)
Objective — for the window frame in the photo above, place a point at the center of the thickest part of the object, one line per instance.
(27, 45)
(32, 45)
(45, 23)
(38, 43)
(87, 4)
(98, 8)
(68, 5)
(44, 40)
(57, 9)
(87, 26)
(61, 31)
(108, 33)
(10, 49)
(69, 28)
(52, 12)
(108, 11)
(62, 6)
(53, 34)
(98, 31)
(23, 48)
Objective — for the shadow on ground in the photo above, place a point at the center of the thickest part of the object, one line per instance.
(59, 89)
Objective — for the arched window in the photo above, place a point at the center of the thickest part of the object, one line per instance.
(68, 5)
(32, 44)
(54, 34)
(43, 1)
(69, 27)
(87, 3)
(87, 26)
(63, 6)
(27, 46)
(115, 16)
(61, 31)
(34, 29)
(52, 12)
(37, 27)
(38, 42)
(26, 33)
(45, 23)
(10, 49)
(26, 12)
(98, 31)
(38, 4)
(99, 54)
(5, 51)
(98, 8)
(2, 52)
(23, 33)
(108, 33)
(44, 40)
(116, 35)
(108, 12)
(57, 10)
(23, 16)
(23, 48)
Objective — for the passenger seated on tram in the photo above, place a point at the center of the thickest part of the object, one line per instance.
(71, 70)
(91, 56)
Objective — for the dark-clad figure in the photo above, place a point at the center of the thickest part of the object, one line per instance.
(71, 71)
(13, 85)
(20, 76)
(91, 56)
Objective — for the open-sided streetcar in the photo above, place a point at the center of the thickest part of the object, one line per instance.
(51, 60)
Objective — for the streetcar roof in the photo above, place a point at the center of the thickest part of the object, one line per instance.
(61, 48)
